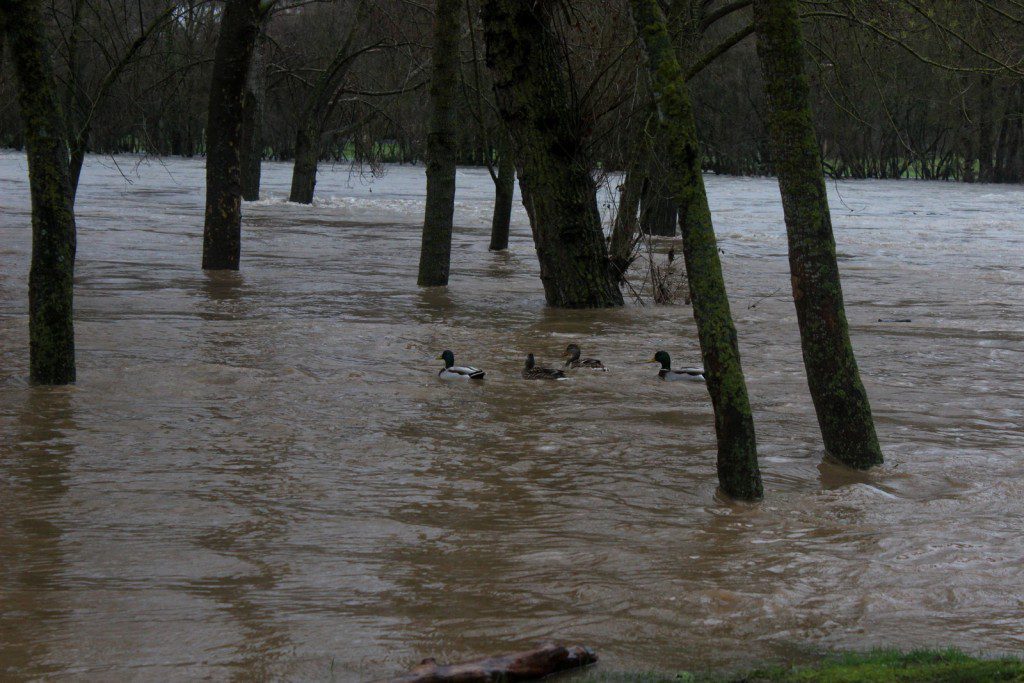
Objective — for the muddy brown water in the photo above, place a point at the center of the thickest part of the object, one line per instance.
(258, 475)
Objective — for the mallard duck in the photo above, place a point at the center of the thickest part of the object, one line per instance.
(668, 374)
(532, 371)
(453, 371)
(572, 352)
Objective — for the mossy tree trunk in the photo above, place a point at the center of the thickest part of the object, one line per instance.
(504, 192)
(738, 472)
(51, 276)
(251, 153)
(436, 246)
(222, 232)
(558, 190)
(840, 400)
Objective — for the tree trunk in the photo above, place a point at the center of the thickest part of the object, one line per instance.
(657, 209)
(559, 192)
(251, 152)
(504, 191)
(222, 232)
(307, 156)
(50, 283)
(77, 161)
(841, 403)
(625, 226)
(984, 114)
(738, 472)
(436, 248)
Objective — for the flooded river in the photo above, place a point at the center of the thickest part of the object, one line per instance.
(259, 474)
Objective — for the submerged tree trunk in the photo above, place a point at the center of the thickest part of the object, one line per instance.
(657, 209)
(436, 247)
(504, 192)
(222, 232)
(307, 155)
(738, 472)
(554, 169)
(625, 225)
(51, 276)
(251, 152)
(841, 403)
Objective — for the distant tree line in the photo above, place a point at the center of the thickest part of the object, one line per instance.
(928, 89)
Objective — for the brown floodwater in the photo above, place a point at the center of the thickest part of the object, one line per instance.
(259, 475)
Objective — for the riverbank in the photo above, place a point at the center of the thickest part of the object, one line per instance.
(880, 666)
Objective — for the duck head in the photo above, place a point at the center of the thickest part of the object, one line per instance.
(530, 361)
(448, 357)
(663, 358)
(572, 352)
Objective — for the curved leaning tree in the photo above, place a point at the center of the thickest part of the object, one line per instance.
(840, 401)
(738, 472)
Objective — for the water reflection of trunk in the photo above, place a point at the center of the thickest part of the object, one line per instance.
(35, 483)
(840, 401)
(436, 245)
(559, 193)
(222, 232)
(51, 277)
(738, 472)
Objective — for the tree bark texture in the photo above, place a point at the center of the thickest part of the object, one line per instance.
(222, 232)
(504, 192)
(51, 275)
(558, 190)
(251, 152)
(840, 401)
(436, 246)
(738, 472)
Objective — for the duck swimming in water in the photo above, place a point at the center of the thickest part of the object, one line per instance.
(572, 352)
(669, 375)
(453, 371)
(533, 371)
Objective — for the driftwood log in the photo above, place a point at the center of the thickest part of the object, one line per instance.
(517, 666)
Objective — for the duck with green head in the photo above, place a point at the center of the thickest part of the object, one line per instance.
(533, 371)
(453, 371)
(669, 375)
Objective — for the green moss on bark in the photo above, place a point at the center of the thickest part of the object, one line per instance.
(738, 472)
(548, 142)
(840, 401)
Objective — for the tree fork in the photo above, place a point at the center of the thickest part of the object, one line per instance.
(840, 401)
(51, 276)
(738, 473)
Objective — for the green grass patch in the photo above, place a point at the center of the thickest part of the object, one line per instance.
(882, 666)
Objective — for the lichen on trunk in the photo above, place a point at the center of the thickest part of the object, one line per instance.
(738, 472)
(840, 401)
